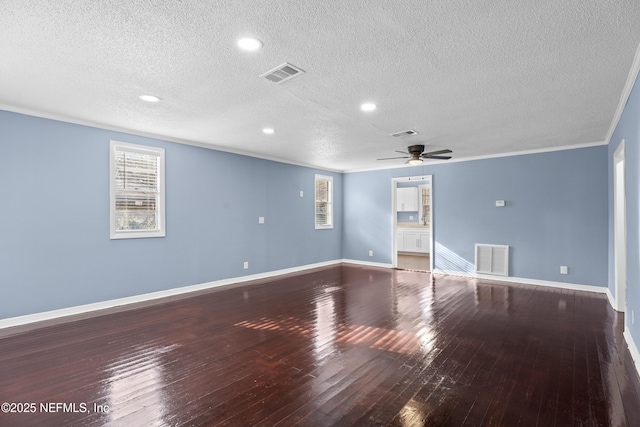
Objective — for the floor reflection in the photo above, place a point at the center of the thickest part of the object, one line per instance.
(410, 332)
(412, 415)
(324, 333)
(490, 296)
(139, 378)
(341, 345)
(325, 323)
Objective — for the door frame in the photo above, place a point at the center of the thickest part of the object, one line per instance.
(620, 229)
(424, 179)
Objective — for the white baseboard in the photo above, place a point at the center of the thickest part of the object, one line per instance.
(549, 283)
(633, 349)
(611, 299)
(367, 263)
(86, 308)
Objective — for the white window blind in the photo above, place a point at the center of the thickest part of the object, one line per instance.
(323, 201)
(137, 191)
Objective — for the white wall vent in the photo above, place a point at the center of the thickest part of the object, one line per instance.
(282, 73)
(404, 133)
(492, 259)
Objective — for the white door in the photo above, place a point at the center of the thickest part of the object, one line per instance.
(620, 229)
(398, 238)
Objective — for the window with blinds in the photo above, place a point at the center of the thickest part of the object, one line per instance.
(324, 201)
(137, 191)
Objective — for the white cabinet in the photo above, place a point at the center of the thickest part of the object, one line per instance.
(416, 242)
(407, 199)
(399, 240)
(412, 240)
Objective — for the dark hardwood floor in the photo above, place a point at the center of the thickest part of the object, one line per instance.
(338, 346)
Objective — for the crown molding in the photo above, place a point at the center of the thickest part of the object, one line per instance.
(164, 138)
(489, 156)
(624, 96)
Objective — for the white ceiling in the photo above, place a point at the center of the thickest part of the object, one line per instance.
(478, 77)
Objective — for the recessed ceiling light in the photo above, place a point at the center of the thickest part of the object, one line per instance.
(368, 106)
(249, 43)
(149, 98)
(268, 131)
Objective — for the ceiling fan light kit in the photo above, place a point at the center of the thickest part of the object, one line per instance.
(416, 154)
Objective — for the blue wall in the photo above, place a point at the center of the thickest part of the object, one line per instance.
(55, 250)
(628, 128)
(556, 213)
(408, 216)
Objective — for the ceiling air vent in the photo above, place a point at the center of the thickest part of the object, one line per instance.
(405, 133)
(282, 72)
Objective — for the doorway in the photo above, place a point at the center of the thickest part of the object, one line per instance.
(412, 211)
(620, 229)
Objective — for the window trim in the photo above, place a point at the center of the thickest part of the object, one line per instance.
(330, 216)
(160, 231)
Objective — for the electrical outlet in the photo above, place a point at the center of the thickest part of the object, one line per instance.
(370, 253)
(246, 265)
(301, 193)
(261, 220)
(564, 269)
(410, 217)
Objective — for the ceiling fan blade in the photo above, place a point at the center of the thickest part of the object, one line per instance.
(430, 153)
(436, 157)
(392, 158)
(401, 152)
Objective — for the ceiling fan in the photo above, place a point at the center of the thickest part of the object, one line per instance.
(416, 154)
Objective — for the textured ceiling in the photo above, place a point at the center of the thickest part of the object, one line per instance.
(479, 77)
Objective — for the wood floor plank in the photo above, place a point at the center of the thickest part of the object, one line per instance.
(341, 345)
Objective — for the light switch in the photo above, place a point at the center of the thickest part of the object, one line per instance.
(500, 203)
(301, 193)
(261, 220)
